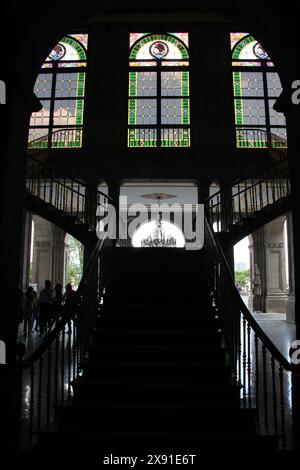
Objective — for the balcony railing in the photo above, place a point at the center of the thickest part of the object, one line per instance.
(61, 138)
(230, 206)
(259, 138)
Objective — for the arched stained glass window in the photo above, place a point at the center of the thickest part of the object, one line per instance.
(256, 87)
(60, 87)
(159, 92)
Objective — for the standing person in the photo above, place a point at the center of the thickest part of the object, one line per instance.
(21, 309)
(68, 302)
(27, 326)
(35, 312)
(58, 299)
(46, 307)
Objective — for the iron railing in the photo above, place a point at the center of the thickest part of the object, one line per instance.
(268, 380)
(61, 138)
(48, 373)
(259, 138)
(70, 196)
(248, 196)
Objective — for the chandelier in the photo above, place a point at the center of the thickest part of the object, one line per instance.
(158, 239)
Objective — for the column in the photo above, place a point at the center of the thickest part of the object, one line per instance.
(26, 251)
(48, 253)
(290, 310)
(257, 271)
(276, 295)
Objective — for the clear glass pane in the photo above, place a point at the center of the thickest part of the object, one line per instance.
(43, 85)
(70, 85)
(274, 84)
(248, 84)
(174, 83)
(174, 111)
(276, 118)
(144, 111)
(143, 84)
(41, 118)
(68, 112)
(250, 112)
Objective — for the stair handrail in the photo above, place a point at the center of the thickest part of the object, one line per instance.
(47, 137)
(44, 360)
(268, 381)
(250, 176)
(242, 306)
(58, 174)
(270, 137)
(224, 199)
(74, 305)
(71, 196)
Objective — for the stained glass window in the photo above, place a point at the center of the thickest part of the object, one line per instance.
(60, 87)
(159, 94)
(256, 86)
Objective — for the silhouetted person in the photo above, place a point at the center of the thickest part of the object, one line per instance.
(68, 302)
(46, 307)
(27, 326)
(21, 299)
(35, 312)
(58, 299)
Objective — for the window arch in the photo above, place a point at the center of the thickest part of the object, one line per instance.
(60, 87)
(159, 96)
(256, 87)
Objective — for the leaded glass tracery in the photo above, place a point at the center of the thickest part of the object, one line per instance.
(60, 88)
(159, 96)
(256, 86)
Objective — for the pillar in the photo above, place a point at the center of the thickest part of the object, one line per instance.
(48, 253)
(276, 295)
(290, 310)
(268, 268)
(257, 271)
(26, 251)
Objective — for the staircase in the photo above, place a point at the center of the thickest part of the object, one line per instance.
(66, 202)
(156, 376)
(240, 209)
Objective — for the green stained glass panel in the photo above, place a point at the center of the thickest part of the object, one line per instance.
(142, 138)
(70, 85)
(142, 111)
(248, 84)
(68, 112)
(175, 111)
(142, 84)
(141, 51)
(175, 83)
(67, 138)
(175, 138)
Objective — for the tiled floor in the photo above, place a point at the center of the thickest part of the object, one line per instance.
(277, 328)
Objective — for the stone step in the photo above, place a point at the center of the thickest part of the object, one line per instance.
(183, 392)
(206, 354)
(156, 371)
(156, 337)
